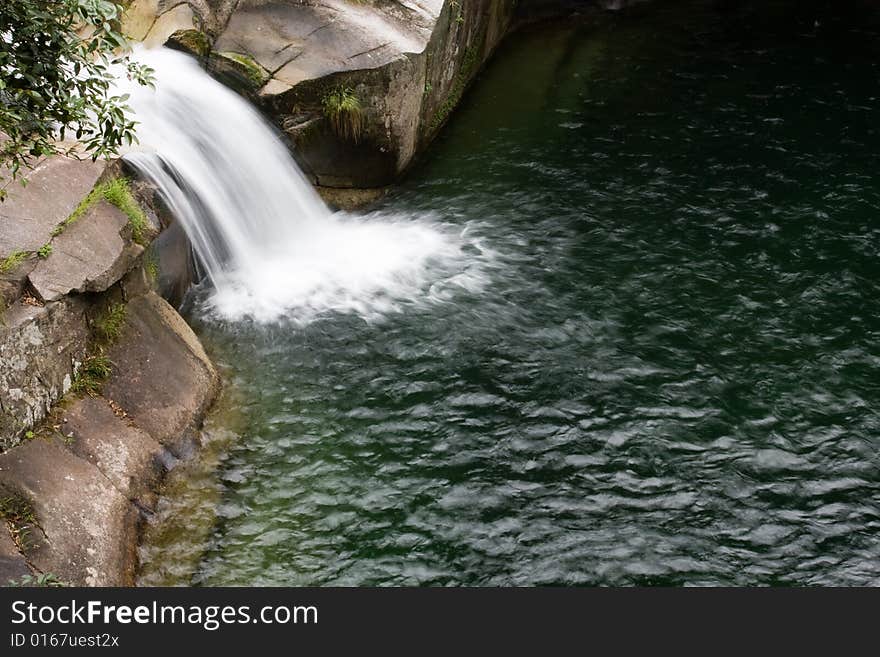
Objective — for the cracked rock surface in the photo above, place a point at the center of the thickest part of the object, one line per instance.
(78, 478)
(89, 477)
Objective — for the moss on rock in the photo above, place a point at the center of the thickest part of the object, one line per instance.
(239, 71)
(192, 41)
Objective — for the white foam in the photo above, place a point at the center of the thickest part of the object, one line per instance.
(371, 266)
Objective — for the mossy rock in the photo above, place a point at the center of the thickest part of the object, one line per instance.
(238, 71)
(193, 41)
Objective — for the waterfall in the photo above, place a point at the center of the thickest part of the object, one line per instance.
(269, 246)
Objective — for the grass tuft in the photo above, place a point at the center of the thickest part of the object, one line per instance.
(151, 264)
(255, 74)
(12, 261)
(91, 375)
(19, 516)
(343, 109)
(84, 206)
(109, 324)
(43, 580)
(16, 510)
(116, 192)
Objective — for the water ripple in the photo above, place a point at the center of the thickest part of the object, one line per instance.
(670, 375)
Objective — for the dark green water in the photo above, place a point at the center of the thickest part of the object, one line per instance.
(673, 375)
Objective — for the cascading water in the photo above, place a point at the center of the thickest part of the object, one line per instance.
(267, 242)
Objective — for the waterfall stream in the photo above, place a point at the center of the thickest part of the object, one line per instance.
(266, 241)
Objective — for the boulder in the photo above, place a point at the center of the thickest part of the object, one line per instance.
(162, 377)
(178, 18)
(92, 472)
(139, 18)
(40, 348)
(86, 529)
(175, 264)
(54, 190)
(304, 41)
(237, 70)
(90, 255)
(130, 458)
(193, 41)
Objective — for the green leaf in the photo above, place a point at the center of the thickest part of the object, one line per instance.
(59, 83)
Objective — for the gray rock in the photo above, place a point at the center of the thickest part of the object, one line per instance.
(180, 17)
(90, 484)
(40, 348)
(87, 528)
(12, 564)
(176, 265)
(237, 71)
(192, 41)
(304, 41)
(90, 255)
(163, 379)
(29, 214)
(129, 458)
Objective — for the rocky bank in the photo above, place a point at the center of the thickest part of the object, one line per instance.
(102, 383)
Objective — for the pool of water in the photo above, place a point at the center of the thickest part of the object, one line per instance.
(669, 373)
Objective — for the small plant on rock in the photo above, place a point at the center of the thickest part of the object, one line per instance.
(116, 192)
(151, 265)
(109, 325)
(343, 109)
(43, 580)
(91, 375)
(19, 517)
(12, 261)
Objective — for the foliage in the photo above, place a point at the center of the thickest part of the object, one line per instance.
(110, 323)
(45, 251)
(53, 81)
(47, 580)
(12, 261)
(91, 375)
(151, 265)
(18, 515)
(343, 108)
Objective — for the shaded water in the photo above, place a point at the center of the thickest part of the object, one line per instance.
(670, 376)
